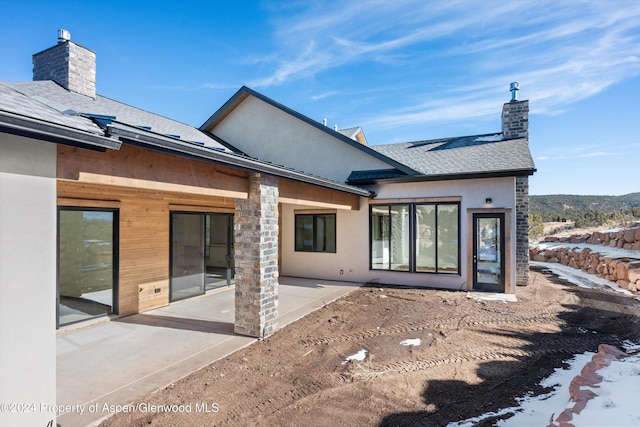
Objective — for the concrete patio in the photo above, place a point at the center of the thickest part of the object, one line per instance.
(119, 361)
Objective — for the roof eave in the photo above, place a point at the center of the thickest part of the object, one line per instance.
(171, 145)
(446, 177)
(38, 129)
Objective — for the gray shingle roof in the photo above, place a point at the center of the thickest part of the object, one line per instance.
(57, 98)
(350, 132)
(43, 106)
(15, 101)
(467, 155)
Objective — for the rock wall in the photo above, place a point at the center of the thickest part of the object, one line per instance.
(623, 270)
(623, 239)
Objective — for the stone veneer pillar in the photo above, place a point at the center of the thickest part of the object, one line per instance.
(256, 258)
(522, 230)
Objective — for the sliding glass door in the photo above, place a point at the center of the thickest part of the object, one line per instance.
(87, 264)
(201, 253)
(187, 255)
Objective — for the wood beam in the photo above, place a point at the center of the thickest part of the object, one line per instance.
(297, 193)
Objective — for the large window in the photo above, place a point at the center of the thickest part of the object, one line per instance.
(415, 237)
(87, 263)
(316, 232)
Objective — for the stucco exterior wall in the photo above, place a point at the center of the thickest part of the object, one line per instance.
(269, 134)
(27, 280)
(351, 260)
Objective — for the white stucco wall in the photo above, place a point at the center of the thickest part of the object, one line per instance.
(352, 246)
(269, 134)
(27, 281)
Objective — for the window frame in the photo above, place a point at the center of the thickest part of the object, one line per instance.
(314, 245)
(413, 233)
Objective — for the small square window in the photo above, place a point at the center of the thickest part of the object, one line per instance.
(315, 233)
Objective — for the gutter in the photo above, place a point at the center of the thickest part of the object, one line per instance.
(20, 125)
(171, 145)
(445, 177)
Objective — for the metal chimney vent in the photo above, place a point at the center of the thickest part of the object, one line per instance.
(63, 36)
(514, 88)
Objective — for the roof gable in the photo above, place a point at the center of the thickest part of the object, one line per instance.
(244, 92)
(355, 133)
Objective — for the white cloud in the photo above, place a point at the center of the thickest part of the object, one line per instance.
(595, 154)
(577, 152)
(561, 52)
(324, 95)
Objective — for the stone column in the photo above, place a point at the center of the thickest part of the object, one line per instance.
(256, 258)
(522, 231)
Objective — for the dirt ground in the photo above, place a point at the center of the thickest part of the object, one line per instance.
(474, 357)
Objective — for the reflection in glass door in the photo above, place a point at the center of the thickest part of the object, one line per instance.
(87, 264)
(488, 252)
(187, 255)
(219, 250)
(201, 253)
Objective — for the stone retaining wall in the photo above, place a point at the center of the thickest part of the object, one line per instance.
(624, 271)
(623, 239)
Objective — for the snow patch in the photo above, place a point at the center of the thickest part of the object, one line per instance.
(581, 278)
(359, 356)
(484, 296)
(490, 138)
(614, 405)
(607, 251)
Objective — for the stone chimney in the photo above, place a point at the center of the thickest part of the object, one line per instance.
(515, 116)
(68, 64)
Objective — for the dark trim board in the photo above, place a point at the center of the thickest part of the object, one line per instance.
(427, 178)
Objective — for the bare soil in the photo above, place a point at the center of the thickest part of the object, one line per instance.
(475, 357)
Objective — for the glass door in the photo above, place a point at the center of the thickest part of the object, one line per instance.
(219, 250)
(187, 255)
(488, 252)
(87, 264)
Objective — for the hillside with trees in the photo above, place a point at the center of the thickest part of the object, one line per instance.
(583, 211)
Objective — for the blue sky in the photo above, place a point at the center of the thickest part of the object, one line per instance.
(403, 70)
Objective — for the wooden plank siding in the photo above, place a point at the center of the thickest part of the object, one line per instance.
(145, 186)
(144, 209)
(298, 193)
(145, 169)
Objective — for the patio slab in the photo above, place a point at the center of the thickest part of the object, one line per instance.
(116, 362)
